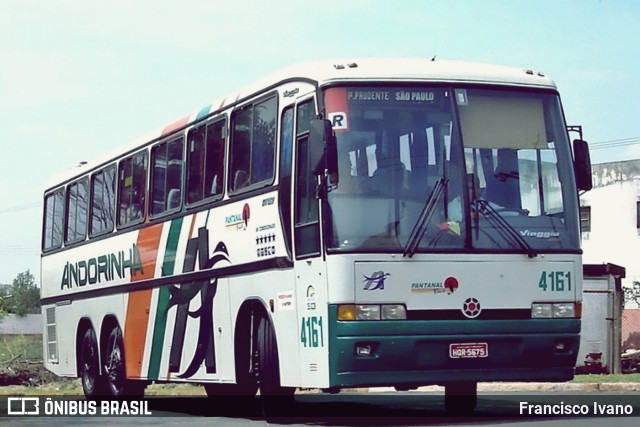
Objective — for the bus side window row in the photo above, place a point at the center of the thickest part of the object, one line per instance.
(117, 196)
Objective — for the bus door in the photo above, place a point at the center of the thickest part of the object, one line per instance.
(310, 265)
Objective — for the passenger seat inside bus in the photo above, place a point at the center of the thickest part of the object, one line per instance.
(173, 198)
(240, 179)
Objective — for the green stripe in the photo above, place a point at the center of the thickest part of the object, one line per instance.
(160, 324)
(203, 112)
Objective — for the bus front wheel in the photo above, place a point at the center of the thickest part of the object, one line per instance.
(276, 399)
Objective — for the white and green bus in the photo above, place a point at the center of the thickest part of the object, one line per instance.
(383, 222)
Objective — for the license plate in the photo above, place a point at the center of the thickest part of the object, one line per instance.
(468, 350)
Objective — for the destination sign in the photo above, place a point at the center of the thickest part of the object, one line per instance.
(395, 95)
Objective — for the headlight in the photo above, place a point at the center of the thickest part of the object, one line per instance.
(394, 312)
(372, 312)
(558, 310)
(541, 311)
(367, 312)
(566, 309)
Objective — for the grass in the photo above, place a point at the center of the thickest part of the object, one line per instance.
(27, 348)
(607, 378)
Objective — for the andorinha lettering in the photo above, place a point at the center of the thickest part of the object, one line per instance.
(104, 268)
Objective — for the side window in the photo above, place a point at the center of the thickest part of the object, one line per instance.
(286, 148)
(306, 213)
(77, 206)
(306, 112)
(132, 176)
(205, 162)
(103, 201)
(166, 177)
(253, 145)
(53, 220)
(307, 206)
(286, 142)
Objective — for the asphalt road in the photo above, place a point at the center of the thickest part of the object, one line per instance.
(357, 409)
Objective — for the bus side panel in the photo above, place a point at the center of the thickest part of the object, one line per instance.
(60, 335)
(274, 288)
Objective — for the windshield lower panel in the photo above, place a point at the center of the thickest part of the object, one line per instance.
(433, 169)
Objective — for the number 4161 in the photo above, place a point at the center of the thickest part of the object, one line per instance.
(311, 332)
(555, 281)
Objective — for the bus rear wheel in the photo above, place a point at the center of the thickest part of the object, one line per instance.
(93, 383)
(276, 400)
(119, 386)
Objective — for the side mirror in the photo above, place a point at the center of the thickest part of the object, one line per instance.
(323, 149)
(582, 165)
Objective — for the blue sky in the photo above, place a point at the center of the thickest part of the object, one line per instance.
(79, 78)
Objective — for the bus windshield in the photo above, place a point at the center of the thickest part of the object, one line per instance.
(450, 169)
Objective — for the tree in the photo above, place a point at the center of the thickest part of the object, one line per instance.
(23, 296)
(631, 295)
(4, 309)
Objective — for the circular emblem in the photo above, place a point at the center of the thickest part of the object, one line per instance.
(246, 213)
(451, 284)
(471, 308)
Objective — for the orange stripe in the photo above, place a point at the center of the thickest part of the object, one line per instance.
(171, 127)
(193, 223)
(137, 318)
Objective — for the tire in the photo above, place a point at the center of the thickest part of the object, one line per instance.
(277, 401)
(118, 385)
(460, 398)
(94, 384)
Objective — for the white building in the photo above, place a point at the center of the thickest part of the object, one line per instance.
(610, 218)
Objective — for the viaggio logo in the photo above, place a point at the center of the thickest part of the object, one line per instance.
(540, 234)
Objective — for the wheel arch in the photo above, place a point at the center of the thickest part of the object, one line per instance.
(246, 328)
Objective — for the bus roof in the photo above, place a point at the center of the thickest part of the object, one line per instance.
(327, 72)
(420, 69)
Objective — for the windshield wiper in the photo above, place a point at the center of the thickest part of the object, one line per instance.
(504, 228)
(423, 219)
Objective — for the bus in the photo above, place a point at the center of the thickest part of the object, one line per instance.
(388, 222)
